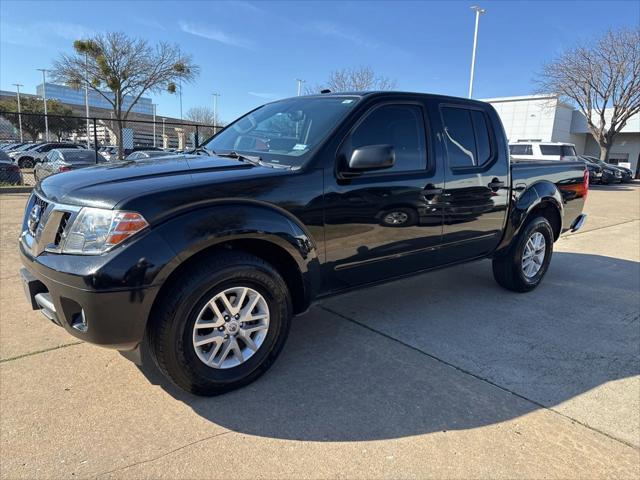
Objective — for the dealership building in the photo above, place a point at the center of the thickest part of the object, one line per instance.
(546, 118)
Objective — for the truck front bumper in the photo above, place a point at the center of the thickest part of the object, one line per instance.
(105, 300)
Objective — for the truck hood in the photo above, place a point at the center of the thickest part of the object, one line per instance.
(108, 185)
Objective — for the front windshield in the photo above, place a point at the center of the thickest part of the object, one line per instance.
(283, 132)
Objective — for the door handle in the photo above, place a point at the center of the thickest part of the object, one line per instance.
(495, 184)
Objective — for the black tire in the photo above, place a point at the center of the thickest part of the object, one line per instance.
(507, 268)
(408, 215)
(25, 162)
(171, 324)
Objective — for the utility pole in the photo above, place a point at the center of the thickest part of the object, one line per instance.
(300, 82)
(44, 99)
(153, 105)
(86, 94)
(18, 85)
(215, 110)
(479, 11)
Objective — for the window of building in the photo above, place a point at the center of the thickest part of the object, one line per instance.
(467, 137)
(401, 126)
(521, 149)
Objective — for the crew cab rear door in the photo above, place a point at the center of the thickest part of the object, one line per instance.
(476, 195)
(387, 222)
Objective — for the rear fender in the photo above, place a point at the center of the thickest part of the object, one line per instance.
(539, 194)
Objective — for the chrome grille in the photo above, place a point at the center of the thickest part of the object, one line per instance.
(49, 232)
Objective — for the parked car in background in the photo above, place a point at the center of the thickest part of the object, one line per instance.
(595, 171)
(610, 173)
(627, 173)
(30, 157)
(144, 154)
(543, 151)
(65, 159)
(10, 173)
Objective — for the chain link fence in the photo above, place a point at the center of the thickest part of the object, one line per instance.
(29, 139)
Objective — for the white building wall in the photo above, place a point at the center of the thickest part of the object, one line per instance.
(527, 118)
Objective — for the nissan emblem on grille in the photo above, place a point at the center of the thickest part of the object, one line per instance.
(34, 218)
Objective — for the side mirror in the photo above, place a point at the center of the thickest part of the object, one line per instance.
(372, 157)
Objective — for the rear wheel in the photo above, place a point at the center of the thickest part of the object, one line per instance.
(522, 268)
(222, 325)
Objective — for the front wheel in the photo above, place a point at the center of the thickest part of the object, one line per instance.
(521, 269)
(222, 324)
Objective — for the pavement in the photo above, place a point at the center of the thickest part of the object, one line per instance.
(439, 375)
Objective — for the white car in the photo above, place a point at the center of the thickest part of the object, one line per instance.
(543, 151)
(28, 158)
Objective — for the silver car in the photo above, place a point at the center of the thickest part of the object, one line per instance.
(30, 157)
(65, 159)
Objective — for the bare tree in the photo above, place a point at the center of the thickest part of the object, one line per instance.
(354, 80)
(127, 67)
(204, 115)
(603, 80)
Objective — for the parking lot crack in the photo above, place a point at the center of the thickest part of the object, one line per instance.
(476, 376)
(158, 457)
(37, 352)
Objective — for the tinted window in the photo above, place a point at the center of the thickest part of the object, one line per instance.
(523, 149)
(550, 150)
(467, 137)
(400, 126)
(568, 150)
(81, 156)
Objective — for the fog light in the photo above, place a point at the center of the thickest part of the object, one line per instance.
(79, 322)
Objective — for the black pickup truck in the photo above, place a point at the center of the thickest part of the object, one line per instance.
(206, 257)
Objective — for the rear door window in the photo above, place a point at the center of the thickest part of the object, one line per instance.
(467, 137)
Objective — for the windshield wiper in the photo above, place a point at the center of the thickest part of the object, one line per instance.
(245, 158)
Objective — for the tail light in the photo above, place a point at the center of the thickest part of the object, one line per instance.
(13, 168)
(585, 182)
(64, 168)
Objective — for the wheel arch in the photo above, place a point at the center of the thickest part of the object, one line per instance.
(255, 229)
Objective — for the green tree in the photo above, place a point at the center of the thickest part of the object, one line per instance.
(121, 68)
(60, 119)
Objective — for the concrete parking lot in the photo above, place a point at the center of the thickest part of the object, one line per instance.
(440, 375)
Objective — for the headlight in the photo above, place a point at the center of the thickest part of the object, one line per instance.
(96, 230)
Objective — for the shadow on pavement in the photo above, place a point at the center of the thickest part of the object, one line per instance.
(616, 187)
(339, 381)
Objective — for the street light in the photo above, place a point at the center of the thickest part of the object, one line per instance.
(44, 99)
(86, 94)
(18, 85)
(153, 105)
(479, 11)
(300, 82)
(215, 110)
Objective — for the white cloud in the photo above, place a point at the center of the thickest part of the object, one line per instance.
(264, 95)
(40, 34)
(214, 34)
(337, 31)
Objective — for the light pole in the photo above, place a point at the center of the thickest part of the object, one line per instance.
(18, 85)
(300, 82)
(44, 99)
(154, 124)
(479, 11)
(215, 110)
(86, 94)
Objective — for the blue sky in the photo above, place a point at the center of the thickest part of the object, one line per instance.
(252, 52)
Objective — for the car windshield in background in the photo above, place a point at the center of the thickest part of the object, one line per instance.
(81, 156)
(284, 132)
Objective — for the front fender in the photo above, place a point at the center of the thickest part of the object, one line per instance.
(219, 223)
(524, 202)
